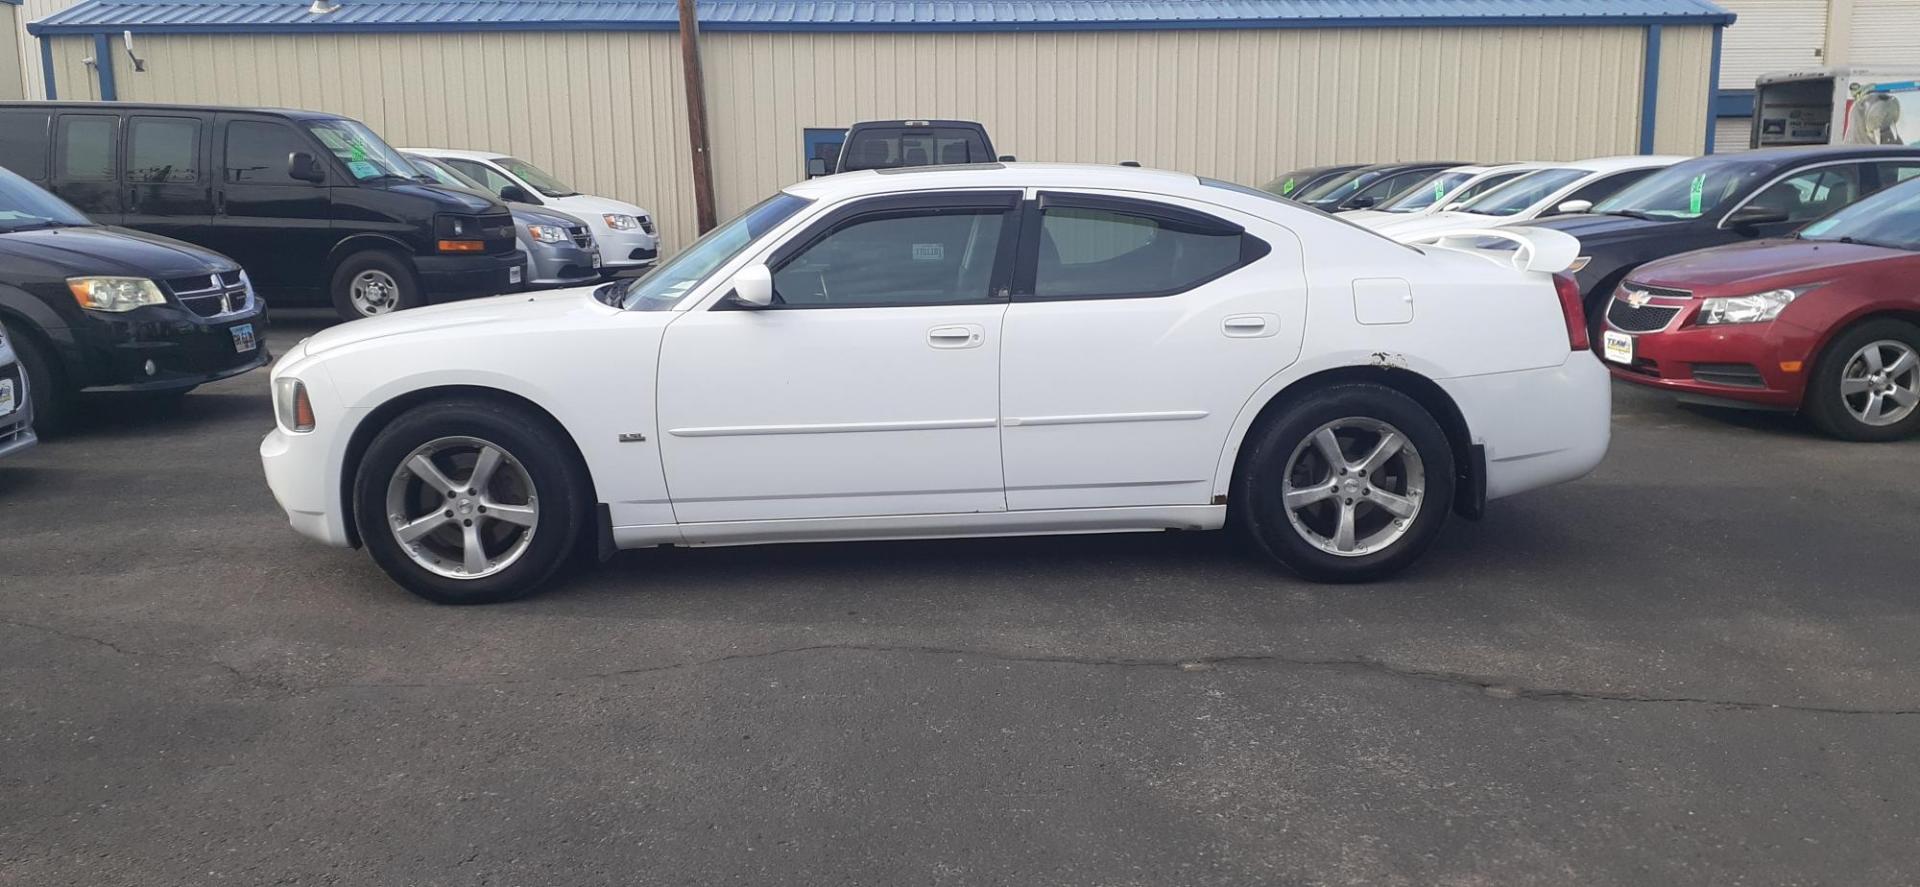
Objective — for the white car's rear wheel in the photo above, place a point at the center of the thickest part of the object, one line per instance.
(1348, 484)
(470, 501)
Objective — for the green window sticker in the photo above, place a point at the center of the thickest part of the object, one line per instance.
(1698, 189)
(356, 153)
(1439, 190)
(1286, 188)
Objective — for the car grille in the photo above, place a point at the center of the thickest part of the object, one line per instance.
(1623, 316)
(581, 237)
(212, 295)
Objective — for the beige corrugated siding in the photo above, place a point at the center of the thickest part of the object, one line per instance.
(12, 63)
(1771, 35)
(604, 111)
(1886, 34)
(1686, 60)
(33, 10)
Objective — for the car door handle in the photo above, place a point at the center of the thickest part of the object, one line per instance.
(1251, 326)
(959, 335)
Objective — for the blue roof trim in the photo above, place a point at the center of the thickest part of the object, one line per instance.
(291, 16)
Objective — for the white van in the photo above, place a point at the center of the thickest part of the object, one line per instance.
(1837, 106)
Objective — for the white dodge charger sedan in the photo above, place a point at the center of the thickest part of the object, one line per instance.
(955, 351)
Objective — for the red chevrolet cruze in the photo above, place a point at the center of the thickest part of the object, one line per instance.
(1826, 322)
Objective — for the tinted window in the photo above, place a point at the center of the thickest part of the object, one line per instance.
(86, 147)
(487, 176)
(1484, 185)
(1890, 218)
(1428, 192)
(915, 146)
(1596, 191)
(1514, 197)
(1812, 193)
(257, 152)
(1339, 187)
(915, 258)
(1692, 189)
(541, 180)
(1094, 253)
(1894, 172)
(24, 205)
(163, 149)
(23, 143)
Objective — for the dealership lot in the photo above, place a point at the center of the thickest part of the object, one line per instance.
(1694, 666)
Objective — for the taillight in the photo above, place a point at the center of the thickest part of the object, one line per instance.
(1576, 316)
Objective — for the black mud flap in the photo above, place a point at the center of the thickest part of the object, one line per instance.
(1470, 487)
(604, 518)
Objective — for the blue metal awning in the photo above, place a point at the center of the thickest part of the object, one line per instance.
(291, 16)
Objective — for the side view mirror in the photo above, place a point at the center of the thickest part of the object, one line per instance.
(1575, 206)
(1750, 216)
(753, 287)
(515, 194)
(305, 167)
(816, 167)
(1359, 203)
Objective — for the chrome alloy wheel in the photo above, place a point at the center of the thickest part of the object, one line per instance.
(1352, 505)
(1880, 383)
(374, 292)
(464, 529)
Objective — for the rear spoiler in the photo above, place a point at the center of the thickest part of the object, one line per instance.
(1534, 249)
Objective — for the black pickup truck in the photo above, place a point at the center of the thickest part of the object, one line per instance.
(892, 144)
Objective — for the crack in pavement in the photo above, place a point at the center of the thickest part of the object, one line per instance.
(1490, 686)
(256, 681)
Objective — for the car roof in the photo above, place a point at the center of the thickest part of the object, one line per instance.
(989, 175)
(289, 113)
(1620, 162)
(1802, 153)
(457, 153)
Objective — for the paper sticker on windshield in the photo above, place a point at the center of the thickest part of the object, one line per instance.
(363, 169)
(1439, 190)
(356, 152)
(1693, 195)
(929, 252)
(1286, 188)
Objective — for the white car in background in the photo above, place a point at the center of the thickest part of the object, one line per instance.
(1003, 350)
(626, 234)
(1444, 189)
(1571, 187)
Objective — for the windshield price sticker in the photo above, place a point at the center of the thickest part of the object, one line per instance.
(363, 169)
(1693, 195)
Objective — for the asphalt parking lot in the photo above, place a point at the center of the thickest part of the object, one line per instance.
(1696, 666)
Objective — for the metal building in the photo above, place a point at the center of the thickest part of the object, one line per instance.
(1236, 89)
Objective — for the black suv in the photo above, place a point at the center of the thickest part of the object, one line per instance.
(97, 309)
(1720, 199)
(316, 207)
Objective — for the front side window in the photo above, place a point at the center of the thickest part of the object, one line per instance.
(667, 285)
(86, 147)
(163, 149)
(257, 152)
(942, 256)
(1890, 218)
(1812, 193)
(1088, 253)
(541, 180)
(360, 150)
(1516, 196)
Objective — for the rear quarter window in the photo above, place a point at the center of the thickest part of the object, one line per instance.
(23, 143)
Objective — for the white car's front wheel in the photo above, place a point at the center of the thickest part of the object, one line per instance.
(1348, 484)
(470, 501)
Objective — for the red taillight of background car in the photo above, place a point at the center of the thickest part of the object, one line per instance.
(1576, 316)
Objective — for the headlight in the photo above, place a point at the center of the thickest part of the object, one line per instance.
(547, 233)
(291, 406)
(1757, 308)
(115, 293)
(621, 221)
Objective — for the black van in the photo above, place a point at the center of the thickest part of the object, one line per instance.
(316, 207)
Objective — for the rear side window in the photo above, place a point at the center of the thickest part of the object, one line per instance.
(257, 152)
(86, 147)
(1096, 251)
(1892, 172)
(23, 143)
(163, 149)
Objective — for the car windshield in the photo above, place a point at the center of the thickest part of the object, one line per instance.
(365, 155)
(1688, 190)
(540, 179)
(1427, 193)
(442, 174)
(1513, 198)
(664, 287)
(1890, 218)
(1286, 185)
(1339, 187)
(24, 206)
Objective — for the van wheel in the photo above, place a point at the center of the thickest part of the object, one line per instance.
(1350, 484)
(1866, 384)
(470, 501)
(53, 399)
(373, 283)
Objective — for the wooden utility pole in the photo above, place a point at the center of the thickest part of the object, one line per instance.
(697, 116)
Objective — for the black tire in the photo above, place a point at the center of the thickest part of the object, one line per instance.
(557, 479)
(1826, 406)
(53, 396)
(1262, 514)
(406, 284)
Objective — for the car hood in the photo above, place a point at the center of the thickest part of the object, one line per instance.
(1764, 264)
(529, 312)
(454, 199)
(585, 205)
(104, 250)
